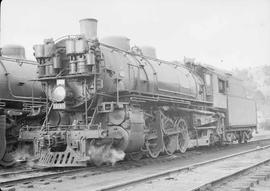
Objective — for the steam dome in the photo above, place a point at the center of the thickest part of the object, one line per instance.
(120, 42)
(14, 51)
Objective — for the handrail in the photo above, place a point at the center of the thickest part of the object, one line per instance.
(19, 60)
(145, 57)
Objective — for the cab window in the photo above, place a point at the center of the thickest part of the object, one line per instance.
(221, 86)
(207, 79)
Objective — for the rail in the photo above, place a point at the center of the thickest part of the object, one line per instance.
(46, 174)
(175, 170)
(239, 172)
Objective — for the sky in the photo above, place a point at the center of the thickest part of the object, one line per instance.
(227, 34)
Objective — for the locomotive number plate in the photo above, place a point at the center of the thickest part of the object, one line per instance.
(59, 106)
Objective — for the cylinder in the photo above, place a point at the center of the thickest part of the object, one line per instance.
(90, 58)
(49, 70)
(46, 70)
(88, 28)
(120, 42)
(81, 67)
(80, 46)
(73, 67)
(39, 50)
(48, 47)
(41, 70)
(56, 61)
(70, 46)
(149, 51)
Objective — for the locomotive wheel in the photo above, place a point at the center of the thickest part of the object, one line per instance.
(7, 160)
(153, 148)
(135, 156)
(170, 143)
(183, 137)
(155, 145)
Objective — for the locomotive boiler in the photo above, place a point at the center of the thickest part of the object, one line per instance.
(20, 98)
(103, 93)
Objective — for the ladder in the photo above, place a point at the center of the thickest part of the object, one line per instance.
(91, 118)
(44, 125)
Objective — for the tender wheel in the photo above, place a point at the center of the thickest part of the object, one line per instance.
(243, 137)
(240, 137)
(183, 137)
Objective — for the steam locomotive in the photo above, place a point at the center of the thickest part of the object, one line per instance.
(21, 100)
(103, 93)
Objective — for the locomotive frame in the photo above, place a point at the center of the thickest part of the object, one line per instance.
(93, 103)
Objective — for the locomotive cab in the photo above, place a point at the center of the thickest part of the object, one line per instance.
(230, 96)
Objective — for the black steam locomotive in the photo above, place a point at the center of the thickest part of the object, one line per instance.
(106, 95)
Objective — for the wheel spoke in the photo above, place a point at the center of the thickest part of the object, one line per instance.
(183, 137)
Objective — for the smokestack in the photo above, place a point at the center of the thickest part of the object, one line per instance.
(88, 28)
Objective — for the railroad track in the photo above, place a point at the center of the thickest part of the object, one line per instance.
(28, 177)
(254, 177)
(135, 184)
(10, 179)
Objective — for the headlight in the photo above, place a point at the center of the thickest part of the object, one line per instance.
(59, 94)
